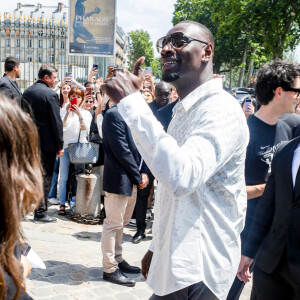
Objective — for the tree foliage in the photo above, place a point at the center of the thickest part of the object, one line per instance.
(247, 33)
(156, 68)
(140, 45)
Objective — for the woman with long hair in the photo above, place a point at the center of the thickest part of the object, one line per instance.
(21, 189)
(76, 121)
(64, 94)
(63, 102)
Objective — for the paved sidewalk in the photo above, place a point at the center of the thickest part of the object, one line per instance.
(72, 254)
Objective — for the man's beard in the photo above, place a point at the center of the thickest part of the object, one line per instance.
(170, 77)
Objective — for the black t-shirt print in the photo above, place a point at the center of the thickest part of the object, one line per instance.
(264, 141)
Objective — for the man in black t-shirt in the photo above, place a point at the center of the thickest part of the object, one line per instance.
(274, 87)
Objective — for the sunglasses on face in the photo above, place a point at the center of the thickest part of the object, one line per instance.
(289, 89)
(89, 101)
(176, 39)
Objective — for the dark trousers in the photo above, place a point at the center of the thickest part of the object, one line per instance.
(48, 161)
(198, 291)
(279, 285)
(141, 205)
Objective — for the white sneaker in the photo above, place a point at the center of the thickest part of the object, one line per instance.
(53, 201)
(148, 213)
(132, 223)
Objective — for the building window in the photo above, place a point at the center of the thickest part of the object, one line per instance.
(40, 57)
(51, 58)
(51, 44)
(18, 43)
(29, 43)
(18, 56)
(40, 43)
(40, 33)
(7, 43)
(62, 59)
(29, 58)
(62, 44)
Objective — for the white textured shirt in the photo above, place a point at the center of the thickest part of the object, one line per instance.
(72, 128)
(201, 199)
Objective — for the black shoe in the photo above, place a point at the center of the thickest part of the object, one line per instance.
(124, 266)
(137, 238)
(119, 278)
(45, 218)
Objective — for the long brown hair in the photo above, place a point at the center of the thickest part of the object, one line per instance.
(21, 184)
(61, 97)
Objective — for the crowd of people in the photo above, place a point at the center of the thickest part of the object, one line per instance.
(228, 187)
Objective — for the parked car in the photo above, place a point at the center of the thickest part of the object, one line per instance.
(240, 95)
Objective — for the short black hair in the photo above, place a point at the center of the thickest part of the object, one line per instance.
(274, 74)
(10, 63)
(253, 101)
(86, 84)
(161, 85)
(203, 28)
(46, 70)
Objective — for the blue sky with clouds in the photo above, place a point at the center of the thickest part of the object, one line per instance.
(155, 16)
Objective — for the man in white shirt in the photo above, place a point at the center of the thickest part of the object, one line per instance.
(199, 163)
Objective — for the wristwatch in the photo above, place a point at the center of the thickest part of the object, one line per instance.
(80, 119)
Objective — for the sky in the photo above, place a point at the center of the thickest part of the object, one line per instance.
(154, 16)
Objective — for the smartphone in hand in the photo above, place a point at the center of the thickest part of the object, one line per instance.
(247, 103)
(73, 101)
(88, 91)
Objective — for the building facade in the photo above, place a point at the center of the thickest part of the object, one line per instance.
(37, 34)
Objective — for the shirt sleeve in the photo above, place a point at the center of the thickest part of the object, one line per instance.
(99, 124)
(181, 169)
(151, 246)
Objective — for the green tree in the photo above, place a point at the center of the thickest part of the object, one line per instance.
(156, 68)
(140, 45)
(247, 32)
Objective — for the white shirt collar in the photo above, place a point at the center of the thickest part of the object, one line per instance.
(205, 89)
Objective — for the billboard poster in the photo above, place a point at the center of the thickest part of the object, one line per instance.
(92, 27)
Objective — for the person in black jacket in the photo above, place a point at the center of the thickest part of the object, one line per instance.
(162, 97)
(123, 172)
(8, 84)
(165, 114)
(275, 231)
(44, 109)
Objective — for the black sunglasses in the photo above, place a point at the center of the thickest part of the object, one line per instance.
(176, 39)
(89, 101)
(289, 89)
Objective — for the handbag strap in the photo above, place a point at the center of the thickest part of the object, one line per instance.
(88, 137)
(79, 134)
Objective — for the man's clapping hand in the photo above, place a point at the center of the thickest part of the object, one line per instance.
(121, 83)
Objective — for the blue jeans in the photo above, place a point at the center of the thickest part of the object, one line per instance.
(64, 173)
(53, 187)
